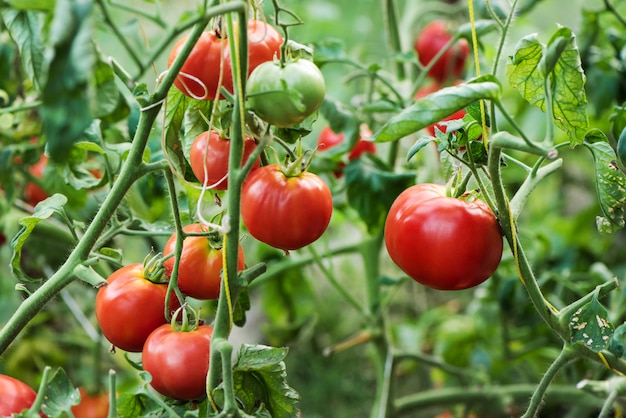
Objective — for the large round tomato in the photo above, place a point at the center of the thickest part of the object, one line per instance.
(200, 74)
(178, 361)
(264, 44)
(16, 396)
(91, 405)
(210, 149)
(130, 307)
(443, 242)
(285, 212)
(200, 266)
(430, 41)
(34, 194)
(284, 95)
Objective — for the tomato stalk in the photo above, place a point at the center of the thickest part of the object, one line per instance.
(112, 395)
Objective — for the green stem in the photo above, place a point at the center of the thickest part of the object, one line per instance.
(565, 356)
(436, 362)
(608, 403)
(156, 19)
(21, 107)
(112, 395)
(502, 41)
(530, 183)
(390, 17)
(226, 350)
(172, 285)
(41, 392)
(615, 12)
(123, 39)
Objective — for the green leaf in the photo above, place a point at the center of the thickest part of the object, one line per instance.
(41, 5)
(135, 405)
(44, 209)
(560, 60)
(174, 117)
(371, 189)
(66, 104)
(437, 106)
(343, 121)
(610, 182)
(60, 395)
(106, 101)
(195, 121)
(260, 377)
(418, 145)
(24, 27)
(618, 341)
(590, 326)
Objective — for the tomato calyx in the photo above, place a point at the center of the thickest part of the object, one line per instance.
(153, 269)
(184, 324)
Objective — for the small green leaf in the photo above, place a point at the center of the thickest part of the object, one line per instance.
(419, 144)
(610, 182)
(590, 326)
(618, 341)
(135, 405)
(44, 209)
(437, 106)
(60, 395)
(174, 118)
(105, 97)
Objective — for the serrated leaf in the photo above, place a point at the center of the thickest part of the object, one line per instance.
(560, 60)
(262, 370)
(437, 106)
(60, 395)
(590, 326)
(44, 209)
(610, 182)
(66, 105)
(24, 27)
(371, 190)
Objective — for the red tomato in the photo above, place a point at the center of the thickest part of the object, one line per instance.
(91, 406)
(200, 267)
(430, 41)
(130, 307)
(34, 194)
(329, 139)
(442, 242)
(285, 212)
(264, 44)
(178, 361)
(362, 147)
(199, 76)
(215, 150)
(431, 88)
(16, 396)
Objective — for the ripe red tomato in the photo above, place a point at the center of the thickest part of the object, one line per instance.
(178, 361)
(130, 307)
(329, 139)
(285, 95)
(430, 41)
(285, 212)
(91, 406)
(442, 242)
(200, 266)
(215, 150)
(431, 88)
(16, 396)
(34, 194)
(199, 76)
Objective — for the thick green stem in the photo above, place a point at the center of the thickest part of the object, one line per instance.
(393, 36)
(565, 356)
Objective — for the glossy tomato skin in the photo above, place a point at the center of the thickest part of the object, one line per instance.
(433, 37)
(199, 76)
(442, 242)
(178, 361)
(91, 406)
(211, 147)
(130, 307)
(200, 266)
(34, 194)
(285, 212)
(16, 396)
(272, 88)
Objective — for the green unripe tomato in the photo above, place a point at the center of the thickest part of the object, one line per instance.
(285, 95)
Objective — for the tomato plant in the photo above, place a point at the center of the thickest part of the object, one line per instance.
(432, 39)
(91, 405)
(443, 242)
(130, 306)
(459, 114)
(201, 263)
(178, 361)
(285, 94)
(283, 211)
(16, 396)
(210, 152)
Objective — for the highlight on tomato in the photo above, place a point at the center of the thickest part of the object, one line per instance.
(433, 38)
(132, 305)
(285, 210)
(443, 242)
(177, 358)
(200, 265)
(208, 158)
(284, 95)
(16, 396)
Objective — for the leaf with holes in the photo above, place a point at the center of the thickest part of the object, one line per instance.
(590, 326)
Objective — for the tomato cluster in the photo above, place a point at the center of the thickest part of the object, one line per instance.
(209, 65)
(443, 242)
